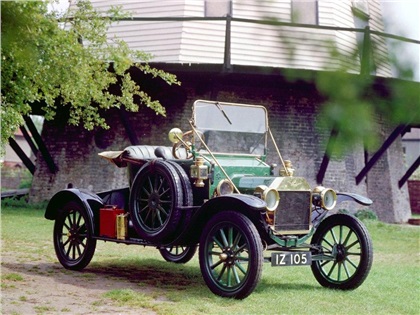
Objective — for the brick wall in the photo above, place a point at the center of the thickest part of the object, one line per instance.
(292, 111)
(414, 191)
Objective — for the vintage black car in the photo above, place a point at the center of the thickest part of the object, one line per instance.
(214, 190)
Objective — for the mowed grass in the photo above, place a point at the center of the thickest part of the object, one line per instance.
(392, 287)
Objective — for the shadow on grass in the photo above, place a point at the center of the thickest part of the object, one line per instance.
(143, 274)
(151, 272)
(147, 274)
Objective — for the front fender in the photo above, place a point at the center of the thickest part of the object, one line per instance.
(90, 202)
(343, 196)
(250, 206)
(238, 202)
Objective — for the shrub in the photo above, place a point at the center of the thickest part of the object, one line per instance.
(363, 214)
(366, 214)
(22, 203)
(344, 211)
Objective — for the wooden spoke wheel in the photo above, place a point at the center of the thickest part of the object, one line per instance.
(73, 242)
(178, 254)
(346, 245)
(155, 200)
(231, 255)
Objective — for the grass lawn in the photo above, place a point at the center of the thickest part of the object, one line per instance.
(392, 287)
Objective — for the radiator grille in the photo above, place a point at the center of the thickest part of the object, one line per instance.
(293, 213)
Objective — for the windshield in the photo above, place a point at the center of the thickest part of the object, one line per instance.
(232, 128)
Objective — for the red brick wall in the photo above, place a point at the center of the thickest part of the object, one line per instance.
(414, 191)
(292, 108)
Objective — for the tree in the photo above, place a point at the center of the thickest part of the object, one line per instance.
(63, 63)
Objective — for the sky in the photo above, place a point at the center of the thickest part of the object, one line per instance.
(402, 17)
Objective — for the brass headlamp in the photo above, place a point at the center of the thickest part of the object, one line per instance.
(269, 195)
(224, 187)
(324, 197)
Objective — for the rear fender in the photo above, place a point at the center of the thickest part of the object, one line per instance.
(91, 203)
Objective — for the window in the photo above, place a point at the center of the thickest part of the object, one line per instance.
(217, 8)
(305, 11)
(361, 7)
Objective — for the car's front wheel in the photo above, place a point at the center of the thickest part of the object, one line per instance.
(231, 255)
(346, 252)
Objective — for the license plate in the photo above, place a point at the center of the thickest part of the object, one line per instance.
(291, 259)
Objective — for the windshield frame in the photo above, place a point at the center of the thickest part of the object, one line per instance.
(233, 118)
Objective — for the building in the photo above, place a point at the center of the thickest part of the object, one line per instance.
(13, 170)
(196, 32)
(249, 52)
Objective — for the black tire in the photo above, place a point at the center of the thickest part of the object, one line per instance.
(178, 254)
(73, 242)
(231, 255)
(346, 239)
(155, 200)
(187, 194)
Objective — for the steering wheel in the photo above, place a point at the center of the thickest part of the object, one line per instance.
(182, 149)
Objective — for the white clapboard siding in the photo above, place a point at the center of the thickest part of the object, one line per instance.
(251, 43)
(381, 51)
(149, 37)
(203, 42)
(258, 10)
(146, 8)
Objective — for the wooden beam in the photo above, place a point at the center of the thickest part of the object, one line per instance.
(41, 145)
(409, 172)
(28, 139)
(326, 159)
(392, 137)
(24, 158)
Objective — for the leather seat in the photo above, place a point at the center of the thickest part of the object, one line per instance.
(145, 152)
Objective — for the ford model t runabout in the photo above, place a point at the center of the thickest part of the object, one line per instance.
(214, 190)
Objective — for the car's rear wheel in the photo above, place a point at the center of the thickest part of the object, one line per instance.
(347, 247)
(231, 255)
(178, 254)
(73, 242)
(155, 200)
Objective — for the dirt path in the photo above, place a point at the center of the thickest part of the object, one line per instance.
(42, 287)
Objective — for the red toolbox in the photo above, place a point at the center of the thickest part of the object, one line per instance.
(107, 221)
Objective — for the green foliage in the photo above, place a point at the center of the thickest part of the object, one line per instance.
(22, 203)
(357, 104)
(366, 214)
(344, 211)
(26, 182)
(362, 214)
(63, 65)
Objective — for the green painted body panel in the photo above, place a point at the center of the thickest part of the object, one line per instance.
(237, 167)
